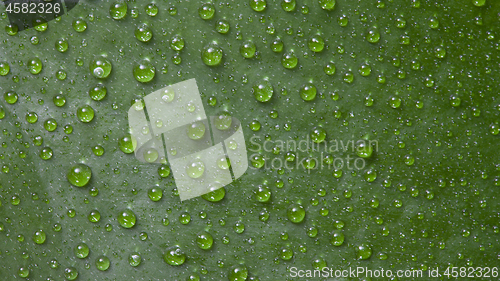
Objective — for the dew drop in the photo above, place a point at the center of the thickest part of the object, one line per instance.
(258, 5)
(174, 256)
(126, 218)
(263, 91)
(195, 169)
(39, 237)
(144, 71)
(373, 35)
(363, 252)
(102, 263)
(79, 175)
(327, 5)
(82, 251)
(35, 66)
(100, 67)
(316, 43)
(206, 11)
(211, 54)
(296, 213)
(308, 92)
(85, 113)
(118, 9)
(289, 60)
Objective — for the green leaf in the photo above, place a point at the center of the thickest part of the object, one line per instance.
(406, 92)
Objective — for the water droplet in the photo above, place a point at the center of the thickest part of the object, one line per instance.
(195, 169)
(46, 153)
(317, 134)
(296, 213)
(94, 216)
(232, 145)
(177, 43)
(61, 45)
(263, 194)
(155, 194)
(174, 256)
(206, 11)
(370, 175)
(35, 66)
(59, 100)
(289, 60)
(363, 252)
(118, 10)
(102, 263)
(144, 71)
(204, 240)
(329, 68)
(164, 171)
(31, 117)
(223, 121)
(215, 195)
(143, 33)
(238, 273)
(151, 9)
(191, 107)
(98, 92)
(365, 70)
(286, 254)
(4, 68)
(440, 52)
(23, 272)
(409, 160)
(79, 175)
(248, 49)
(85, 113)
(327, 5)
(263, 91)
(364, 150)
(212, 54)
(343, 20)
(258, 161)
(134, 259)
(255, 125)
(258, 5)
(11, 29)
(223, 163)
(308, 92)
(168, 95)
(100, 67)
(373, 35)
(316, 43)
(337, 238)
(82, 251)
(395, 102)
(39, 237)
(288, 5)
(222, 26)
(126, 218)
(277, 45)
(150, 155)
(127, 144)
(478, 3)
